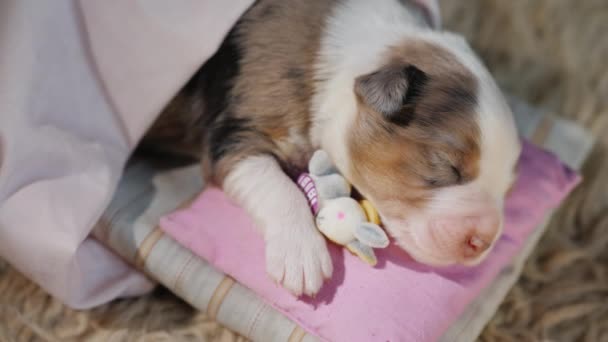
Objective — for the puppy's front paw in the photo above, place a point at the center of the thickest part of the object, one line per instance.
(298, 258)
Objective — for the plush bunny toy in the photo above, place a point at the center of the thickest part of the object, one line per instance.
(338, 216)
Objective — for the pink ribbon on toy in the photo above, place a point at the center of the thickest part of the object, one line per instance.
(307, 184)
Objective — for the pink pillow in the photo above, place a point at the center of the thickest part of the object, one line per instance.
(399, 299)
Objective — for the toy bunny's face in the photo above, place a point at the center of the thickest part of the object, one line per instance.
(339, 218)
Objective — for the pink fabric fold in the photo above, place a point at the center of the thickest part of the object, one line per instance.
(399, 299)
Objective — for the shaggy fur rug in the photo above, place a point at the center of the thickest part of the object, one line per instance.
(553, 53)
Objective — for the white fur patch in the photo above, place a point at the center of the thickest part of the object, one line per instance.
(296, 253)
(500, 146)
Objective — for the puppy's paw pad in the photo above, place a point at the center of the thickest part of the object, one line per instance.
(299, 260)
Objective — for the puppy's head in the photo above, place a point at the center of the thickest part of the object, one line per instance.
(434, 146)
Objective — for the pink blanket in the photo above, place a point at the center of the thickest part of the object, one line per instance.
(399, 300)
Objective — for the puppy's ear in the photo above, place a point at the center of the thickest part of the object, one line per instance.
(392, 91)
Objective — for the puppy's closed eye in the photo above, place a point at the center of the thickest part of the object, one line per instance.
(457, 173)
(441, 178)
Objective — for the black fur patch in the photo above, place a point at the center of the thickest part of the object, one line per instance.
(416, 81)
(215, 79)
(229, 135)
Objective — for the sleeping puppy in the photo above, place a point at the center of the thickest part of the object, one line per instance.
(408, 114)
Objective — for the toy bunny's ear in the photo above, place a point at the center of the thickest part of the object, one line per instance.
(320, 164)
(332, 186)
(364, 252)
(372, 235)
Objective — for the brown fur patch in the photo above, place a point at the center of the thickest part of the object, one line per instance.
(167, 134)
(254, 93)
(253, 97)
(279, 42)
(439, 145)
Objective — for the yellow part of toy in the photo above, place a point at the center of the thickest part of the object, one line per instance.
(370, 211)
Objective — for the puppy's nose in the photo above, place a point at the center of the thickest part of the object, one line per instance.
(482, 233)
(475, 245)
